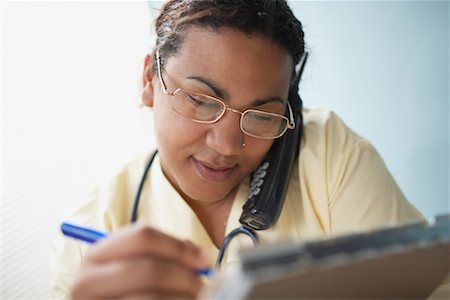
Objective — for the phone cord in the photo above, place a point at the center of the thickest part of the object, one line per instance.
(244, 230)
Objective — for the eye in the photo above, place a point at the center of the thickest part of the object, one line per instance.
(262, 118)
(202, 102)
(197, 101)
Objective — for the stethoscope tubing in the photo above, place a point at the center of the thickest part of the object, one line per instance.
(226, 241)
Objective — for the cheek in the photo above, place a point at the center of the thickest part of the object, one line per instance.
(173, 132)
(257, 150)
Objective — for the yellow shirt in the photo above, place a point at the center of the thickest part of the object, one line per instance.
(339, 185)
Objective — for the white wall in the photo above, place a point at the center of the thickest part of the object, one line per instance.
(71, 74)
(70, 88)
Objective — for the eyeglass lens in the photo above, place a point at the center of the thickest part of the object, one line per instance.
(204, 109)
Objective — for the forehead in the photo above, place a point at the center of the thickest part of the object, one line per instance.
(233, 58)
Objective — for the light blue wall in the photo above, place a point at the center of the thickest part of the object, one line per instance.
(384, 68)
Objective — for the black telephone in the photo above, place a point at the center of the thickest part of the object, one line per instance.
(269, 183)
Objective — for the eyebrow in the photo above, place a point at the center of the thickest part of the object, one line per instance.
(220, 93)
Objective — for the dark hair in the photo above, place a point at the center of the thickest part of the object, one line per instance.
(269, 18)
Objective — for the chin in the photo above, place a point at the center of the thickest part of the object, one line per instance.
(206, 193)
(203, 191)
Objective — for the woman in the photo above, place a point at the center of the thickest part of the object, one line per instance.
(220, 70)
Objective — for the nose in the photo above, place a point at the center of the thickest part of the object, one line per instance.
(225, 136)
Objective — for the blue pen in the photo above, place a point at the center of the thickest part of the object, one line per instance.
(81, 233)
(91, 236)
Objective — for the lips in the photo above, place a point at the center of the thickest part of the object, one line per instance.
(211, 172)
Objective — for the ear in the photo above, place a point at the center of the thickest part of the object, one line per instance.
(147, 86)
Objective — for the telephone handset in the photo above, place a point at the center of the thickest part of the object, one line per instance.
(269, 183)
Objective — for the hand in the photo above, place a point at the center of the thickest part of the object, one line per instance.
(140, 262)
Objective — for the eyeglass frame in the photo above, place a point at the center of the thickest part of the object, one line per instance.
(289, 125)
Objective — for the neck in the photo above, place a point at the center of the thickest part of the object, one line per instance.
(214, 215)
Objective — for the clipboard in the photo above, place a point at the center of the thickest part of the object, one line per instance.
(406, 262)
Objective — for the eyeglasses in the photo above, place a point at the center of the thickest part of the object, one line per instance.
(207, 109)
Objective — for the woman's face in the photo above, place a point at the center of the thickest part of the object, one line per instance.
(207, 162)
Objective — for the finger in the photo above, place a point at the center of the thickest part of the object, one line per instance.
(123, 277)
(141, 241)
(144, 296)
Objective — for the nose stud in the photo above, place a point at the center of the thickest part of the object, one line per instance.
(243, 144)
